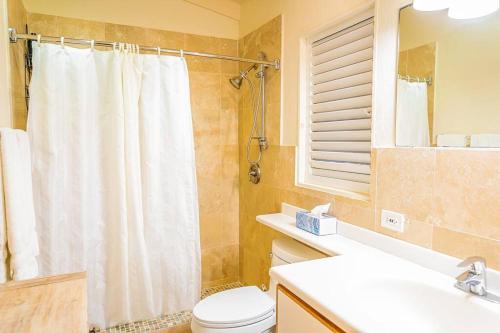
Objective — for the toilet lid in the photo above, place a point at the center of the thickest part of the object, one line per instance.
(234, 307)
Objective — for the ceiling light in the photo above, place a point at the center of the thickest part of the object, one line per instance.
(430, 5)
(467, 9)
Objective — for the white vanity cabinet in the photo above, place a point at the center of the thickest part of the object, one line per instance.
(296, 316)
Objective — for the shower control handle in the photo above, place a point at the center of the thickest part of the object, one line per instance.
(254, 173)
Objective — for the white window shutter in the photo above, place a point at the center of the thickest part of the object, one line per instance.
(340, 104)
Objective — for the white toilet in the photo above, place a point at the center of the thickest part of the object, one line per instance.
(248, 309)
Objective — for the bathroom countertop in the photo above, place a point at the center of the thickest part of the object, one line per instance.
(374, 283)
(329, 244)
(375, 293)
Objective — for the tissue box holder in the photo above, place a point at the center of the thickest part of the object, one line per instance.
(325, 225)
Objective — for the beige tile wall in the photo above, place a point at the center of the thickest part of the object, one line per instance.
(17, 18)
(215, 121)
(449, 196)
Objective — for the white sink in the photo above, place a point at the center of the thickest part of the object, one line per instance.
(385, 294)
(406, 303)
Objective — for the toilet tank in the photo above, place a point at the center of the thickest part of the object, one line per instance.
(288, 251)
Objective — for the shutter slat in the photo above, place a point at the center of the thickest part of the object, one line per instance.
(342, 104)
(339, 140)
(344, 39)
(342, 166)
(345, 82)
(348, 146)
(355, 177)
(342, 115)
(357, 68)
(350, 59)
(341, 51)
(349, 92)
(342, 125)
(342, 136)
(341, 156)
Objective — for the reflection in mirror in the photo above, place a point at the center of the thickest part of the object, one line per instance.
(448, 90)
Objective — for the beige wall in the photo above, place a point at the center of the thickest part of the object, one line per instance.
(215, 121)
(449, 196)
(300, 19)
(193, 16)
(466, 97)
(17, 18)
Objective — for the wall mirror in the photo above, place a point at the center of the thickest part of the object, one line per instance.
(448, 84)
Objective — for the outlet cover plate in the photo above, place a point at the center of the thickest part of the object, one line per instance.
(393, 221)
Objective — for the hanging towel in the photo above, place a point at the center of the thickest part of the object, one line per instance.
(452, 140)
(412, 120)
(19, 207)
(485, 140)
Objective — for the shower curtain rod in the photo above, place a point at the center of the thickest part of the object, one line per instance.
(408, 78)
(14, 37)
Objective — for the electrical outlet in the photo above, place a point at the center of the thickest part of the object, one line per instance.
(393, 221)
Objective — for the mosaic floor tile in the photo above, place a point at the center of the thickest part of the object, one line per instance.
(163, 323)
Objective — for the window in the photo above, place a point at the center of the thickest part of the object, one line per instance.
(336, 105)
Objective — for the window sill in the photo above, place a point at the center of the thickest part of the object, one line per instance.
(334, 191)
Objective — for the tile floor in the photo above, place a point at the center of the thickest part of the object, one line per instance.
(172, 323)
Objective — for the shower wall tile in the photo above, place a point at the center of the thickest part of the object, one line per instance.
(17, 18)
(80, 28)
(229, 47)
(165, 39)
(215, 124)
(46, 25)
(126, 34)
(207, 45)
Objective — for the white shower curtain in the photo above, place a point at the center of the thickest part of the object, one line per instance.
(114, 178)
(412, 119)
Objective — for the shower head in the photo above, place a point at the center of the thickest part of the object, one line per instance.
(237, 81)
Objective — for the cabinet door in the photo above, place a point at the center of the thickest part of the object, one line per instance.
(296, 316)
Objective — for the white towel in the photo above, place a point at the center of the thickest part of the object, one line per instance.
(19, 207)
(485, 140)
(452, 140)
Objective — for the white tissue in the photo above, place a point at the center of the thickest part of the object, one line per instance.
(320, 210)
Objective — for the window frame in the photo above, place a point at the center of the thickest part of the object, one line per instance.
(303, 175)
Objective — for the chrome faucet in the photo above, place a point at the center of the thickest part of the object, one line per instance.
(473, 280)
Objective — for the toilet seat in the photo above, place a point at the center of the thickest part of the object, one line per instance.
(234, 308)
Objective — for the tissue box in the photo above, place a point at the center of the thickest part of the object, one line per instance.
(324, 225)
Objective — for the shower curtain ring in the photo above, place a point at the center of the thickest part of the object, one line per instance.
(62, 42)
(182, 53)
(38, 38)
(158, 50)
(92, 44)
